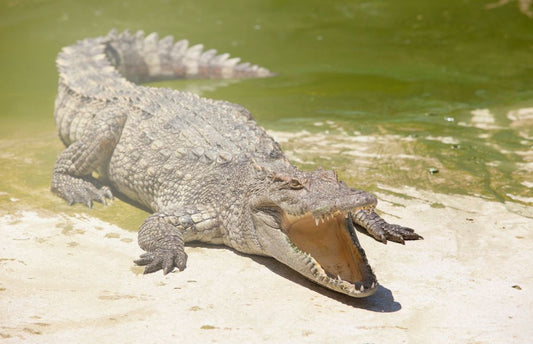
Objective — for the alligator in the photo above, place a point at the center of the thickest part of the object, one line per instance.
(204, 169)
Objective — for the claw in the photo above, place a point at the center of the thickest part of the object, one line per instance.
(107, 193)
(144, 259)
(414, 237)
(380, 237)
(154, 266)
(397, 238)
(160, 259)
(381, 230)
(80, 190)
(168, 266)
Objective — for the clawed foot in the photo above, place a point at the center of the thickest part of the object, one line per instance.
(78, 190)
(394, 233)
(162, 259)
(381, 230)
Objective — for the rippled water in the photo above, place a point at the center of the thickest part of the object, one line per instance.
(428, 95)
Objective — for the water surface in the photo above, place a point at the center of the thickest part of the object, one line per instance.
(428, 95)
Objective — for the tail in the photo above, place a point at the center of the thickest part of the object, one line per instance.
(141, 58)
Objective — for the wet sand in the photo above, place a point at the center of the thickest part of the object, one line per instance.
(71, 279)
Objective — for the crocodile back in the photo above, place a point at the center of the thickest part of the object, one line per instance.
(165, 130)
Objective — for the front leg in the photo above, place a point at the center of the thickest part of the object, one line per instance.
(161, 236)
(380, 229)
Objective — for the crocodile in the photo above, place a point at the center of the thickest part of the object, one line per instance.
(203, 168)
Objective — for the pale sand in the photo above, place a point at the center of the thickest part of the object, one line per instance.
(72, 280)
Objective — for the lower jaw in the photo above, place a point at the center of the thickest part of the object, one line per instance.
(339, 262)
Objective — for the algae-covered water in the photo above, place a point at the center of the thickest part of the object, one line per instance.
(429, 95)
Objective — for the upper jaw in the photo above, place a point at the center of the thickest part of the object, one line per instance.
(322, 247)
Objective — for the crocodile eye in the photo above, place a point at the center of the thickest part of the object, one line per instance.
(295, 184)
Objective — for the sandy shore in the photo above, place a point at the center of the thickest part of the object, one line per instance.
(67, 279)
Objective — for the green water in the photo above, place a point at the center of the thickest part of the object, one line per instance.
(383, 91)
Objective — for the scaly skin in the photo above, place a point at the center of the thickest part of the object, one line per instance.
(204, 168)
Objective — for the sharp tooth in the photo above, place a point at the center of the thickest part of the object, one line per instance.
(362, 288)
(339, 278)
(316, 221)
(322, 219)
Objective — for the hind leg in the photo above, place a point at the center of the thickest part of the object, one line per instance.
(71, 178)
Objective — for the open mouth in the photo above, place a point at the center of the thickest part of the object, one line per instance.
(331, 241)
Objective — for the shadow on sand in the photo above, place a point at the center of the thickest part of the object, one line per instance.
(382, 301)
